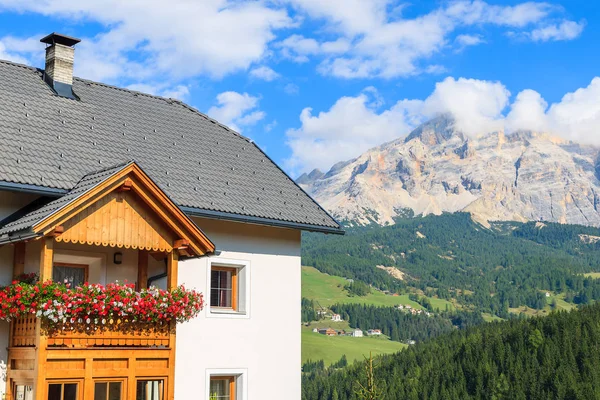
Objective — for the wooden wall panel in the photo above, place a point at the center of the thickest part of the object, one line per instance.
(120, 219)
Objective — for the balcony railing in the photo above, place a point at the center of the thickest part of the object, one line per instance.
(116, 335)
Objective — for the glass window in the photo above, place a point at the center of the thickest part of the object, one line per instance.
(222, 388)
(23, 392)
(107, 391)
(149, 390)
(223, 287)
(62, 391)
(74, 274)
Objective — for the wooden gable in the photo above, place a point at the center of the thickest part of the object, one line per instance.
(119, 219)
(127, 210)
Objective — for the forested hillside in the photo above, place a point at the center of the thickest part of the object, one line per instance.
(557, 357)
(489, 270)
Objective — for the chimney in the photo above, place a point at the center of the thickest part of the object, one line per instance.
(59, 63)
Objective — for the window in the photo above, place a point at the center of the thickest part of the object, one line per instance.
(62, 391)
(228, 288)
(149, 390)
(222, 388)
(224, 288)
(23, 392)
(74, 274)
(108, 390)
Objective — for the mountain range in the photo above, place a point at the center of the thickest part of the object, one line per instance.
(522, 176)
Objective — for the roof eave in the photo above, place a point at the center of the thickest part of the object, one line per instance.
(198, 212)
(192, 211)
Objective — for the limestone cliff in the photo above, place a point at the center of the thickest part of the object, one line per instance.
(523, 176)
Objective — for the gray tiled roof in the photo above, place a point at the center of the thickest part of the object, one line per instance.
(52, 142)
(25, 224)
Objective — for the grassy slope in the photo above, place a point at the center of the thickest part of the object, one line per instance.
(561, 305)
(328, 290)
(329, 349)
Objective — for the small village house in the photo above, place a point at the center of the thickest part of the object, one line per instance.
(328, 332)
(374, 332)
(336, 318)
(99, 185)
(357, 333)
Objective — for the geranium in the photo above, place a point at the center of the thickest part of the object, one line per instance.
(59, 305)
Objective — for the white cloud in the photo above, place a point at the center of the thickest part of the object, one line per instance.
(354, 124)
(349, 127)
(269, 127)
(298, 48)
(265, 73)
(477, 105)
(236, 110)
(22, 50)
(465, 40)
(291, 89)
(566, 30)
(377, 41)
(179, 92)
(575, 117)
(177, 39)
(528, 112)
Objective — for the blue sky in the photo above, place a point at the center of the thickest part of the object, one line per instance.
(316, 82)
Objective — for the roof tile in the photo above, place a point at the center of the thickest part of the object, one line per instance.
(198, 162)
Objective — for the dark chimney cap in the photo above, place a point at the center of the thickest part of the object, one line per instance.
(65, 40)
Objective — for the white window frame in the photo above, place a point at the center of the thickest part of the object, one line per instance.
(243, 292)
(241, 390)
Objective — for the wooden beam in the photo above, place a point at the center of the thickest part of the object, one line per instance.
(57, 231)
(41, 341)
(181, 244)
(19, 259)
(142, 269)
(126, 186)
(172, 261)
(172, 270)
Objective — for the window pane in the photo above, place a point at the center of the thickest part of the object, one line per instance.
(23, 392)
(149, 390)
(114, 391)
(74, 276)
(219, 389)
(70, 391)
(54, 391)
(100, 391)
(221, 288)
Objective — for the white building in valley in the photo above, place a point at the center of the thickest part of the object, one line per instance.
(99, 184)
(357, 333)
(336, 318)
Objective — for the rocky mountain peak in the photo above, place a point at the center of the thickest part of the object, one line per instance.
(495, 176)
(305, 178)
(436, 131)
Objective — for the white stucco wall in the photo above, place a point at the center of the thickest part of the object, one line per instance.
(265, 345)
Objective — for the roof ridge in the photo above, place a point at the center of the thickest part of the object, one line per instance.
(16, 64)
(118, 165)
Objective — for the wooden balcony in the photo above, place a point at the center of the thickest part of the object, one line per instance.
(119, 334)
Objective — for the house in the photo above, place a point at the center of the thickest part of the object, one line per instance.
(328, 332)
(547, 294)
(357, 333)
(315, 330)
(336, 318)
(101, 184)
(374, 332)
